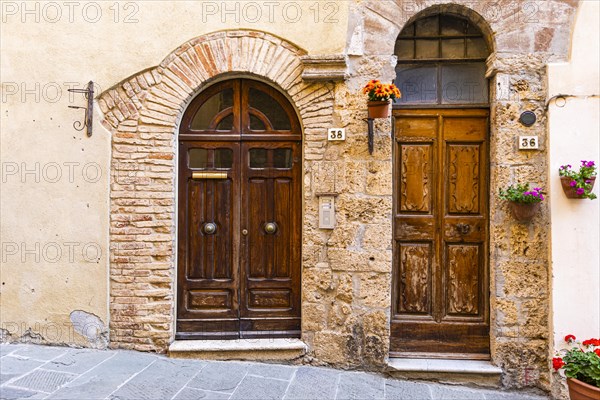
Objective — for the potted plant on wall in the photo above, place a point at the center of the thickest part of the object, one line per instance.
(380, 96)
(523, 203)
(578, 185)
(580, 364)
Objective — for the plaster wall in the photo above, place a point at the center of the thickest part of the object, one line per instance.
(55, 180)
(574, 130)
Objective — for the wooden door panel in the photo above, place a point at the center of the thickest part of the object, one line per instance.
(210, 256)
(416, 183)
(208, 279)
(415, 283)
(463, 280)
(441, 294)
(270, 264)
(463, 162)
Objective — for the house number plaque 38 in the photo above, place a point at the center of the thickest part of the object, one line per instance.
(336, 134)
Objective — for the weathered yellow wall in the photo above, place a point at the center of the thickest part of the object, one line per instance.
(48, 47)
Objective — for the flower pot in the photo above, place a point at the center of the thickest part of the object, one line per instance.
(582, 391)
(523, 212)
(571, 192)
(379, 109)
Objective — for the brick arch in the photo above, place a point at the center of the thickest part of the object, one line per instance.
(143, 112)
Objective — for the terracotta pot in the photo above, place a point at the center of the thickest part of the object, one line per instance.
(582, 391)
(379, 109)
(523, 212)
(571, 192)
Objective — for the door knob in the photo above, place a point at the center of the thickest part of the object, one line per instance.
(209, 228)
(244, 232)
(463, 229)
(270, 228)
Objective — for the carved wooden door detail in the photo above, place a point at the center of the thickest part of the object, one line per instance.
(239, 214)
(440, 283)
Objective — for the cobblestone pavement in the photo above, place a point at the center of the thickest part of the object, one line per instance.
(44, 372)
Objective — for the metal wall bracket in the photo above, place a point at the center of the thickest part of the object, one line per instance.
(370, 122)
(89, 110)
(370, 125)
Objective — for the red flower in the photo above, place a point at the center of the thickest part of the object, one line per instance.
(557, 363)
(597, 351)
(591, 342)
(570, 338)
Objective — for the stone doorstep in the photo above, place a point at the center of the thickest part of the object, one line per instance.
(239, 349)
(470, 372)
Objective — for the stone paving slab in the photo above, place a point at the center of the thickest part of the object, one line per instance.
(44, 372)
(17, 365)
(6, 349)
(78, 361)
(359, 386)
(195, 394)
(313, 383)
(40, 353)
(161, 380)
(101, 381)
(257, 388)
(220, 376)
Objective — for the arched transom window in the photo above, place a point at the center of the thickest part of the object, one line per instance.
(441, 61)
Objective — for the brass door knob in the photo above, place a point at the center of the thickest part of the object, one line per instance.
(244, 232)
(270, 228)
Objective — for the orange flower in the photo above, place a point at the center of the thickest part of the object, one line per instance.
(376, 90)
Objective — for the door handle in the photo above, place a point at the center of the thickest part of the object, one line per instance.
(209, 228)
(209, 175)
(270, 228)
(463, 229)
(245, 232)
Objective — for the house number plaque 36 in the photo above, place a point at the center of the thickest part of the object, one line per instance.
(528, 143)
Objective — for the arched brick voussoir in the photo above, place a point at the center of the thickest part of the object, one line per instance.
(157, 96)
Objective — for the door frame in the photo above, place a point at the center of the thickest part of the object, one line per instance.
(176, 159)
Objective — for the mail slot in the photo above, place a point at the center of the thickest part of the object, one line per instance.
(209, 175)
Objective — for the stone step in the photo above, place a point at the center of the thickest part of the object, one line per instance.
(239, 349)
(472, 372)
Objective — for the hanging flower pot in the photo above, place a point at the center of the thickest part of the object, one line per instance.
(379, 109)
(523, 212)
(522, 202)
(572, 191)
(582, 391)
(578, 185)
(379, 97)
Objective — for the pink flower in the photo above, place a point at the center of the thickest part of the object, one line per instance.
(580, 191)
(573, 183)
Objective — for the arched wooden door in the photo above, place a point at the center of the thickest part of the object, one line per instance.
(440, 305)
(239, 222)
